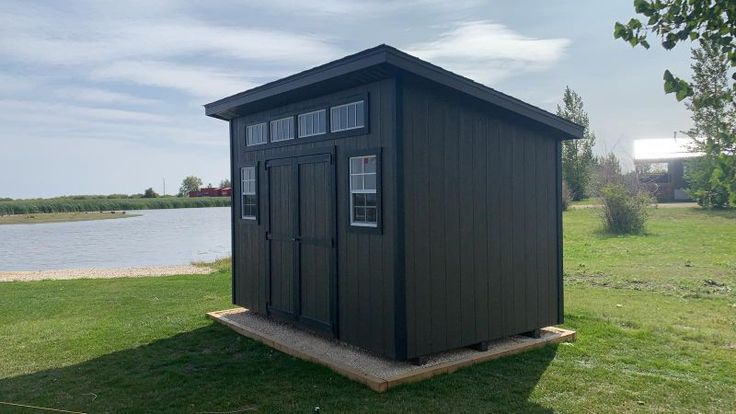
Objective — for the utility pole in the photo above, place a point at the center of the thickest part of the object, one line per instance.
(164, 185)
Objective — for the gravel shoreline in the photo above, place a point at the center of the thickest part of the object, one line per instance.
(92, 273)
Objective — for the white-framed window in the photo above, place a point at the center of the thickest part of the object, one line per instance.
(255, 134)
(282, 129)
(364, 191)
(249, 204)
(347, 116)
(312, 123)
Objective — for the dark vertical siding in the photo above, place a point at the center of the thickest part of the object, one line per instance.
(365, 262)
(481, 222)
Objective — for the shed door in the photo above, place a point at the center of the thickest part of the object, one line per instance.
(301, 233)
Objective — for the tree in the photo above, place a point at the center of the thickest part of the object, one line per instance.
(606, 170)
(712, 179)
(191, 183)
(225, 183)
(710, 22)
(149, 193)
(577, 154)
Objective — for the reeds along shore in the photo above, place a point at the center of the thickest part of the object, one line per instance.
(72, 204)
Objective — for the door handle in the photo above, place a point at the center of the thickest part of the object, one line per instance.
(296, 239)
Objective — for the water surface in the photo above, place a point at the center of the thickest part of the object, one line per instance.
(155, 238)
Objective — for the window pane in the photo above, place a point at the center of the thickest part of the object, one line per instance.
(370, 215)
(254, 134)
(356, 165)
(248, 189)
(344, 117)
(356, 182)
(351, 116)
(359, 200)
(322, 118)
(370, 200)
(282, 129)
(334, 121)
(369, 182)
(360, 114)
(369, 164)
(359, 214)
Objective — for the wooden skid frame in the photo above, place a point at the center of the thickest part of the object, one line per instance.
(497, 349)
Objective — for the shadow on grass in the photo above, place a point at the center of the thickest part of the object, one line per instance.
(213, 369)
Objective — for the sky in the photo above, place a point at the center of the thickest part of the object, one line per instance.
(102, 97)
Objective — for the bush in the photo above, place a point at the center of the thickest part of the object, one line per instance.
(624, 212)
(566, 196)
(149, 193)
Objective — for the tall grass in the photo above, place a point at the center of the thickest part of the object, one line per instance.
(86, 203)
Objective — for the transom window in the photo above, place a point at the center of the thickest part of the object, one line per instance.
(282, 129)
(313, 123)
(363, 191)
(248, 188)
(255, 134)
(347, 116)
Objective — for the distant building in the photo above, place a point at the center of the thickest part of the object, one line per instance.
(661, 165)
(212, 192)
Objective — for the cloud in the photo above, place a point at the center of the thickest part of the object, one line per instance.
(199, 81)
(21, 120)
(360, 9)
(14, 84)
(488, 52)
(103, 96)
(96, 43)
(12, 108)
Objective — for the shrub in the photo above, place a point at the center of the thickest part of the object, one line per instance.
(149, 193)
(566, 196)
(624, 212)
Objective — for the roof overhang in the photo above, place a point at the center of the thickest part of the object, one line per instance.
(372, 64)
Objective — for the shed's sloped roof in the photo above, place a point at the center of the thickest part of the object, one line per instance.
(376, 63)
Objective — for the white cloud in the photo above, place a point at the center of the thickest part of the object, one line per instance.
(14, 84)
(11, 109)
(202, 82)
(95, 43)
(103, 96)
(488, 52)
(359, 9)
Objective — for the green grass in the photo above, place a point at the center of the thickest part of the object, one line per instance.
(62, 217)
(685, 252)
(144, 345)
(92, 203)
(592, 201)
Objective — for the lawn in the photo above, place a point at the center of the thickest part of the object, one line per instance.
(655, 315)
(62, 217)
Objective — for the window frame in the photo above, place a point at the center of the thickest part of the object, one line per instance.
(243, 217)
(347, 104)
(313, 105)
(265, 133)
(285, 118)
(365, 228)
(298, 123)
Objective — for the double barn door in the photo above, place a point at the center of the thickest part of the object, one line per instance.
(301, 240)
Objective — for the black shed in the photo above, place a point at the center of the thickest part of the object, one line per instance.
(395, 205)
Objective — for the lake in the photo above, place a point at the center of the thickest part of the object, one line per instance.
(155, 238)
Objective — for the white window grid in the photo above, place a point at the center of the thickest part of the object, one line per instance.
(363, 181)
(255, 134)
(248, 188)
(282, 129)
(347, 116)
(312, 123)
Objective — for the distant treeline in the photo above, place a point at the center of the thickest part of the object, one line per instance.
(106, 203)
